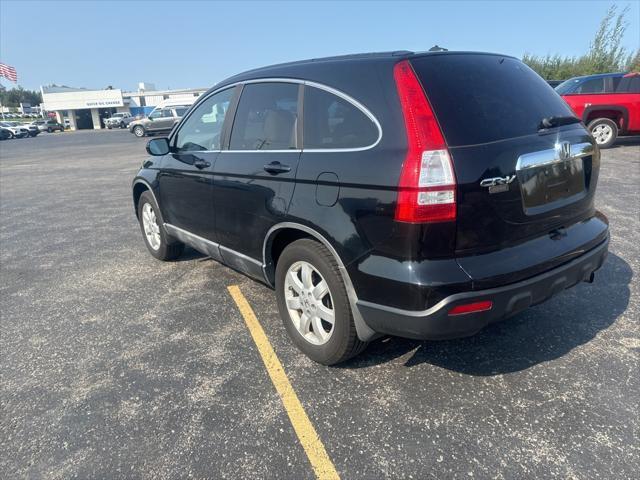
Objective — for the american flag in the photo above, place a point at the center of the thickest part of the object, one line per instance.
(8, 72)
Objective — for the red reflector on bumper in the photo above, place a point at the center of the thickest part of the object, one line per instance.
(471, 307)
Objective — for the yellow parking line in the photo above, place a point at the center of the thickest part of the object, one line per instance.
(320, 461)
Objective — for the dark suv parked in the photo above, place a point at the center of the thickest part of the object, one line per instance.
(411, 194)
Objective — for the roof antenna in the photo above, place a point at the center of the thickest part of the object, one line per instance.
(436, 48)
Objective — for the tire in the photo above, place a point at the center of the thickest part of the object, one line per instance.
(122, 125)
(342, 342)
(167, 248)
(139, 131)
(49, 130)
(604, 131)
(109, 127)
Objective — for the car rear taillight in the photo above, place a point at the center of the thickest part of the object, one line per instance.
(427, 187)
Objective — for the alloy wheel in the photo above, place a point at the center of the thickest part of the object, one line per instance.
(309, 303)
(602, 133)
(151, 227)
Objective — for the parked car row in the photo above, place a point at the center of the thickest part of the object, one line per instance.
(16, 130)
(23, 130)
(21, 115)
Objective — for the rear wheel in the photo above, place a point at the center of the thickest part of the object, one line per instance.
(138, 131)
(604, 131)
(49, 130)
(313, 303)
(159, 244)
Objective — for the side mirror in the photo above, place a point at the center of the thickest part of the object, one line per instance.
(158, 146)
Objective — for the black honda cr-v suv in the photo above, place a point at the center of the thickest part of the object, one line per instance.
(422, 195)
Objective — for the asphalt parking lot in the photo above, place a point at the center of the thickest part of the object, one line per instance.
(115, 365)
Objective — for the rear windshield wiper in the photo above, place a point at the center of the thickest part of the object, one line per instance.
(550, 122)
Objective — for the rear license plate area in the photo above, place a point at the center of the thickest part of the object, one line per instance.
(552, 185)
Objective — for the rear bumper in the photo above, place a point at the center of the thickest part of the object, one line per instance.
(436, 323)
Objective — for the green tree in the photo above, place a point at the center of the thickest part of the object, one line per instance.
(606, 52)
(633, 62)
(16, 96)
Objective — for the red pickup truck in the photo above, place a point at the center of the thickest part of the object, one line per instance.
(608, 115)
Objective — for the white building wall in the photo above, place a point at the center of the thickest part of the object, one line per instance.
(188, 98)
(134, 101)
(83, 99)
(153, 100)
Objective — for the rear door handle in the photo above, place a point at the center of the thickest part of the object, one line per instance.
(199, 163)
(277, 167)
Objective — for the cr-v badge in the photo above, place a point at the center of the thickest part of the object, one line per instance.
(497, 184)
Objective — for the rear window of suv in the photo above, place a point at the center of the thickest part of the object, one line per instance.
(486, 98)
(332, 122)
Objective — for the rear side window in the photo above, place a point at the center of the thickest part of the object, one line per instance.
(629, 85)
(266, 117)
(485, 98)
(333, 122)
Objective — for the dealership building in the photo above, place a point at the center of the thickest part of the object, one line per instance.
(87, 109)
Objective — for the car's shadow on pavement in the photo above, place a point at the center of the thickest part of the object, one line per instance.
(630, 141)
(190, 254)
(539, 334)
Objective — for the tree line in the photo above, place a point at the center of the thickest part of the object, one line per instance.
(16, 96)
(606, 53)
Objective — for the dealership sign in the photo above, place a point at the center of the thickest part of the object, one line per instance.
(104, 103)
(79, 99)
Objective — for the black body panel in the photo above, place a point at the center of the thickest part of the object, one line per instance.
(185, 192)
(508, 300)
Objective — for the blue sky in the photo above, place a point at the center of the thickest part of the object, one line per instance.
(196, 44)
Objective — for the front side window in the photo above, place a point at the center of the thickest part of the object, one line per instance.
(595, 85)
(567, 87)
(333, 122)
(266, 117)
(203, 129)
(155, 114)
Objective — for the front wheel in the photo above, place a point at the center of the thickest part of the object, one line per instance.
(159, 244)
(313, 303)
(50, 130)
(138, 131)
(604, 131)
